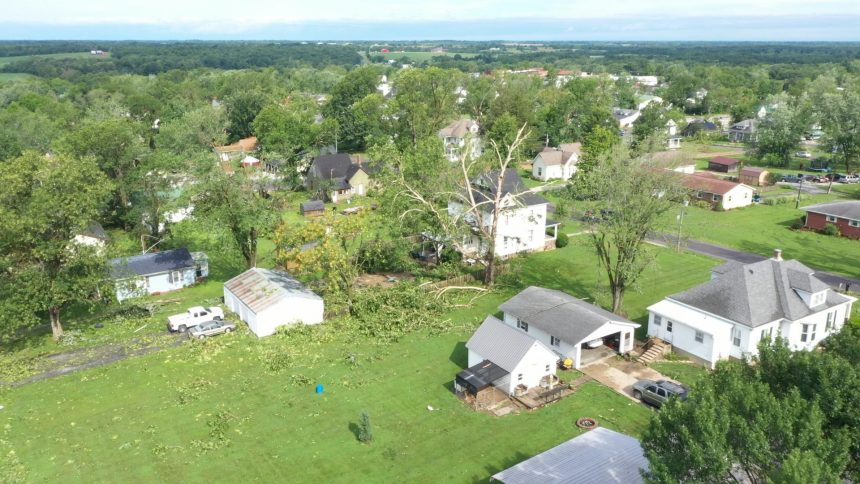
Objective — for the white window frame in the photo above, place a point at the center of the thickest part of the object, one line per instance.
(854, 223)
(522, 325)
(831, 321)
(700, 337)
(175, 277)
(807, 336)
(715, 198)
(658, 320)
(736, 337)
(830, 218)
(767, 333)
(668, 326)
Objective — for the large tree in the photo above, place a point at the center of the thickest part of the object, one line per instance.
(424, 101)
(630, 196)
(239, 205)
(352, 88)
(779, 132)
(581, 105)
(840, 120)
(44, 204)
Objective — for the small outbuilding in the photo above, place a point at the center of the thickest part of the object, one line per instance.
(267, 299)
(754, 176)
(312, 208)
(724, 164)
(599, 455)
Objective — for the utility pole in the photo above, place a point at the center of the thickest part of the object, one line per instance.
(799, 188)
(681, 223)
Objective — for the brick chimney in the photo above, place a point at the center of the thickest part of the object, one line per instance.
(777, 254)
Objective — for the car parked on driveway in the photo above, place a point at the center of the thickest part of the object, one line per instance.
(791, 178)
(657, 392)
(192, 317)
(211, 328)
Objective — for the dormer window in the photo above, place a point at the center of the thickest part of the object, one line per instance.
(818, 298)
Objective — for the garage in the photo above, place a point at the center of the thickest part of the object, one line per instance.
(267, 299)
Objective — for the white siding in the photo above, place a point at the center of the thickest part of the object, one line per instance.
(739, 196)
(296, 310)
(521, 229)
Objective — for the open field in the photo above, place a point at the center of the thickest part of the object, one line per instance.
(761, 228)
(14, 76)
(64, 55)
(422, 56)
(240, 407)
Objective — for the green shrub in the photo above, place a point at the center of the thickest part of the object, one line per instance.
(562, 240)
(379, 255)
(702, 204)
(365, 430)
(797, 226)
(831, 229)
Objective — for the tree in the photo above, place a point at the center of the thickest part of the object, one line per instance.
(779, 132)
(352, 88)
(242, 108)
(841, 125)
(152, 186)
(769, 419)
(194, 132)
(581, 106)
(651, 121)
(597, 144)
(424, 102)
(632, 196)
(44, 203)
(291, 130)
(240, 206)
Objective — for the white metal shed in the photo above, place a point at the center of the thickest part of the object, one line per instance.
(267, 299)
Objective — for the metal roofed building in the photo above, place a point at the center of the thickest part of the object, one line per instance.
(597, 456)
(267, 299)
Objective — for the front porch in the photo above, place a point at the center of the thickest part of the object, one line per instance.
(551, 234)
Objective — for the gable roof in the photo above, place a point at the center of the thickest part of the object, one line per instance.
(561, 155)
(746, 126)
(559, 313)
(706, 183)
(599, 455)
(152, 263)
(457, 129)
(752, 171)
(261, 289)
(724, 160)
(501, 344)
(847, 209)
(331, 166)
(758, 293)
(95, 231)
(484, 188)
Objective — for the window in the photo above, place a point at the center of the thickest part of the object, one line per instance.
(715, 198)
(175, 277)
(700, 337)
(547, 368)
(661, 393)
(831, 318)
(146, 282)
(736, 337)
(540, 172)
(767, 333)
(657, 320)
(669, 326)
(522, 325)
(854, 223)
(830, 218)
(699, 194)
(531, 235)
(553, 341)
(807, 333)
(520, 377)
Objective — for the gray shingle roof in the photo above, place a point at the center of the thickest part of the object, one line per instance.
(152, 263)
(261, 288)
(848, 209)
(312, 205)
(597, 456)
(457, 129)
(758, 293)
(503, 345)
(484, 188)
(559, 314)
(96, 231)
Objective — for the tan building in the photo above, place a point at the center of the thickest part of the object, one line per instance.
(753, 176)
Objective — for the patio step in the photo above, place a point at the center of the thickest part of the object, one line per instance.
(655, 349)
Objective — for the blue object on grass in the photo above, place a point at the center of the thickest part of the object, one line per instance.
(319, 388)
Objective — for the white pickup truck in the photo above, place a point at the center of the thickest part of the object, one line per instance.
(193, 317)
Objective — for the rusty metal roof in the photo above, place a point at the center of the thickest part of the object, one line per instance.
(261, 289)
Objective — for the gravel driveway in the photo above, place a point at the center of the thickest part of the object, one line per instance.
(620, 375)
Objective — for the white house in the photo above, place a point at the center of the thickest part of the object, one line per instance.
(742, 304)
(718, 192)
(625, 117)
(556, 163)
(157, 272)
(571, 327)
(267, 299)
(643, 100)
(457, 135)
(523, 223)
(673, 139)
(505, 358)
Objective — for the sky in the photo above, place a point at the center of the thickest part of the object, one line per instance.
(720, 20)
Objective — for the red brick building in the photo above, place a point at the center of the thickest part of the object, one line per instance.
(845, 215)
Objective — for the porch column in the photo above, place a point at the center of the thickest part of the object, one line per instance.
(555, 231)
(576, 360)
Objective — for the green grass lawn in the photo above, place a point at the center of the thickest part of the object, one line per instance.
(63, 55)
(761, 228)
(14, 76)
(150, 418)
(687, 373)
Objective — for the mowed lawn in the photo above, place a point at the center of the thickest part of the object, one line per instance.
(62, 55)
(148, 418)
(421, 56)
(761, 228)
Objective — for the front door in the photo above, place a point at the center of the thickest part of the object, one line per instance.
(667, 335)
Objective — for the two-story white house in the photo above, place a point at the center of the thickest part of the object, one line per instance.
(522, 225)
(556, 163)
(460, 136)
(743, 304)
(569, 326)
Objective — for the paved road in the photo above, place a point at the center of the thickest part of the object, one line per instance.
(699, 247)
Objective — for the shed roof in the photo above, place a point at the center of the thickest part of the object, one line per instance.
(724, 160)
(599, 455)
(759, 293)
(503, 345)
(261, 289)
(482, 375)
(312, 206)
(152, 263)
(560, 314)
(847, 209)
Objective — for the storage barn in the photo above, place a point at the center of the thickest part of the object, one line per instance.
(267, 299)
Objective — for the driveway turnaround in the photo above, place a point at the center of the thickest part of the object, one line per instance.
(620, 375)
